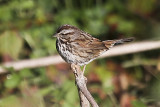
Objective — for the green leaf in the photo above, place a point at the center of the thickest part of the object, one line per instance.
(138, 104)
(6, 13)
(12, 81)
(26, 73)
(10, 101)
(106, 78)
(47, 90)
(10, 44)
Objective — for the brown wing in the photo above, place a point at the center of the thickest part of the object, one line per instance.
(88, 46)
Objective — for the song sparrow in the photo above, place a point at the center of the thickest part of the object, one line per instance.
(78, 47)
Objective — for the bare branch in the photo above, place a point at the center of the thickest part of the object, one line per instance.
(115, 51)
(83, 100)
(132, 48)
(82, 88)
(32, 63)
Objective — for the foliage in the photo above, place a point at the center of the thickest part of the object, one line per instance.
(26, 31)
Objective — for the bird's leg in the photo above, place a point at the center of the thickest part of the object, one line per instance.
(84, 67)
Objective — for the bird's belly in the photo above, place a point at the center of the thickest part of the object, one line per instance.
(66, 53)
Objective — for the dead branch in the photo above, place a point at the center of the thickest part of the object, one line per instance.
(84, 94)
(50, 60)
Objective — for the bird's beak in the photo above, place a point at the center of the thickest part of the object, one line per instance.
(55, 35)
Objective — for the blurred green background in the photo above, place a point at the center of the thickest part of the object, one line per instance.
(26, 27)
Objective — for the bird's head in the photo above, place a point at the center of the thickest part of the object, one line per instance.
(65, 31)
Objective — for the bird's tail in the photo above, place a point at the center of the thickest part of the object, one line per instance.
(111, 43)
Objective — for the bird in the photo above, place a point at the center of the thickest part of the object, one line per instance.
(79, 47)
